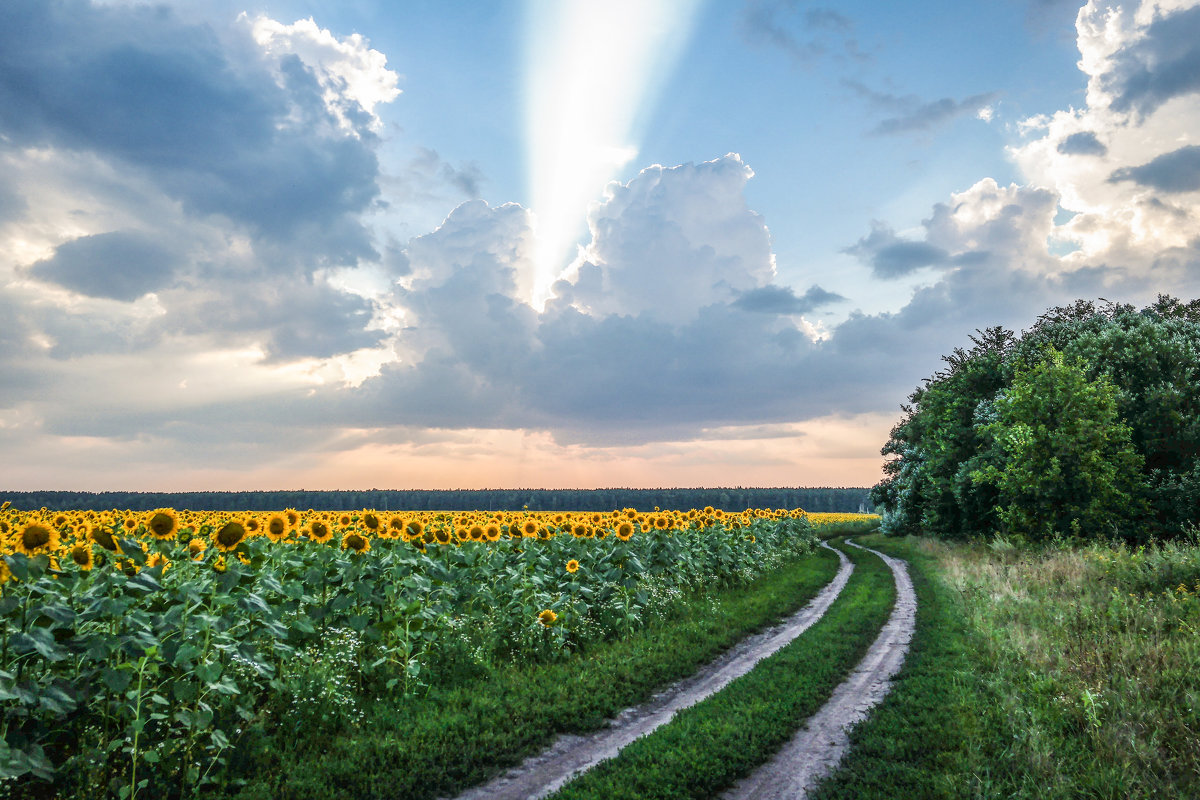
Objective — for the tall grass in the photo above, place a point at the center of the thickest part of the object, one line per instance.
(1093, 660)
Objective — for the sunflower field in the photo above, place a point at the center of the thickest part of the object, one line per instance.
(138, 648)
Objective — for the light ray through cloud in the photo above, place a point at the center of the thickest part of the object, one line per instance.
(592, 70)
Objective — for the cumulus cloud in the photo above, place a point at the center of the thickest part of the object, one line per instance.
(889, 256)
(683, 233)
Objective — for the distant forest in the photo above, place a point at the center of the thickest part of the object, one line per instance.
(731, 499)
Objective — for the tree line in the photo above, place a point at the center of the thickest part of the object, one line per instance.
(731, 498)
(1086, 425)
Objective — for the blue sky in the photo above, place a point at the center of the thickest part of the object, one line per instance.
(555, 244)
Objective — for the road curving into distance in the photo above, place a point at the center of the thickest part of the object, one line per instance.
(570, 756)
(815, 751)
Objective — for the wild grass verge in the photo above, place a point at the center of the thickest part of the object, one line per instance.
(457, 736)
(1059, 672)
(707, 747)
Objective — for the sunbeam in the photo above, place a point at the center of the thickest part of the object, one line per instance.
(593, 70)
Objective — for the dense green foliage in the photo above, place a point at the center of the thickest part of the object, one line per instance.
(1086, 425)
(849, 500)
(462, 731)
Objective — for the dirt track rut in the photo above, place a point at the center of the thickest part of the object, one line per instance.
(569, 756)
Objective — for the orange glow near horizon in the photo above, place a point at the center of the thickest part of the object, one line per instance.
(831, 451)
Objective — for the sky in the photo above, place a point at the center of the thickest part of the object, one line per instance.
(544, 243)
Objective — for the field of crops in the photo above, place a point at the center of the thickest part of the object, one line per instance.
(137, 647)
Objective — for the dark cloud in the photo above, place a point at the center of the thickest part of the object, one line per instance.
(783, 300)
(1161, 64)
(1084, 143)
(203, 118)
(924, 116)
(121, 265)
(805, 34)
(889, 256)
(1177, 171)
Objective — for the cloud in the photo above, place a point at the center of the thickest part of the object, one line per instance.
(1177, 171)
(889, 256)
(122, 265)
(1161, 62)
(1082, 143)
(683, 233)
(805, 34)
(783, 300)
(218, 127)
(924, 116)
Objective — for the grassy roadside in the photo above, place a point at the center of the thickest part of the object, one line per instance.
(1051, 673)
(707, 747)
(455, 737)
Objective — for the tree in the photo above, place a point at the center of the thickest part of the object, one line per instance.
(1068, 464)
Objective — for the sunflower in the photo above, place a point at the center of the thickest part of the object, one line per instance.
(442, 536)
(277, 527)
(293, 518)
(625, 531)
(475, 533)
(60, 521)
(579, 531)
(572, 566)
(319, 531)
(356, 542)
(130, 522)
(344, 520)
(219, 564)
(530, 528)
(253, 525)
(162, 524)
(37, 536)
(5, 572)
(396, 526)
(158, 560)
(415, 529)
(196, 548)
(230, 535)
(547, 617)
(103, 536)
(371, 522)
(81, 556)
(492, 532)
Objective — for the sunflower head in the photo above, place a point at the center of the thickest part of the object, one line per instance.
(529, 528)
(81, 556)
(319, 531)
(442, 536)
(547, 617)
(196, 548)
(230, 535)
(356, 542)
(162, 524)
(572, 566)
(293, 517)
(492, 532)
(625, 531)
(103, 536)
(158, 560)
(475, 533)
(219, 564)
(37, 536)
(415, 529)
(276, 527)
(371, 521)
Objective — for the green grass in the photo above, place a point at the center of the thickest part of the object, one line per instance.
(1046, 673)
(707, 747)
(459, 736)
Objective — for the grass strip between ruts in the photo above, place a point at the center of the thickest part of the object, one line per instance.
(707, 747)
(924, 738)
(454, 738)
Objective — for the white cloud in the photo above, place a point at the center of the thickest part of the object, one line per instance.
(350, 73)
